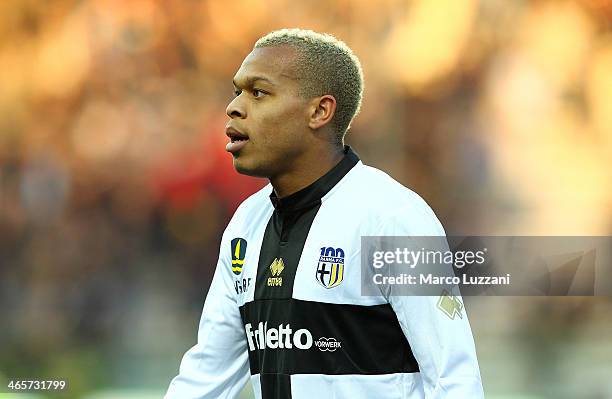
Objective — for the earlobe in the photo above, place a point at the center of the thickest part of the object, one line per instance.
(324, 109)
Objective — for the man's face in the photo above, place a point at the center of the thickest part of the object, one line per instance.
(268, 125)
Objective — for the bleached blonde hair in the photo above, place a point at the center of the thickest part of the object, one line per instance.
(324, 65)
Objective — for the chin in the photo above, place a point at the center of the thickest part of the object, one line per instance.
(249, 169)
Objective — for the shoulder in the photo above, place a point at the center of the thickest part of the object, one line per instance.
(372, 194)
(250, 213)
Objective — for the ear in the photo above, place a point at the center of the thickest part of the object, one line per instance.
(322, 111)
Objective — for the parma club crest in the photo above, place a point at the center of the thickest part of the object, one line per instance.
(239, 246)
(330, 270)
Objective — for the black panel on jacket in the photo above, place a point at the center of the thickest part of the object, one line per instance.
(288, 229)
(369, 338)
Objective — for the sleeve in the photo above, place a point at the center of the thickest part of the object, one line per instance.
(217, 366)
(443, 346)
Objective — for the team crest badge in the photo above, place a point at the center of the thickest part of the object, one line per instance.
(239, 246)
(330, 270)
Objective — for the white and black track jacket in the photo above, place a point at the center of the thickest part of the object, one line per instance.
(286, 304)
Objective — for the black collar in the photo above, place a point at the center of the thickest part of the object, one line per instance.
(312, 194)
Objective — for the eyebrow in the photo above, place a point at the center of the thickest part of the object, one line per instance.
(252, 79)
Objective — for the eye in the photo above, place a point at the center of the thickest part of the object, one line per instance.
(237, 92)
(258, 93)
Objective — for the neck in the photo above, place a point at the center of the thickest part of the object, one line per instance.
(306, 172)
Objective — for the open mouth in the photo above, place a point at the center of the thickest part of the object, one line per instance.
(237, 140)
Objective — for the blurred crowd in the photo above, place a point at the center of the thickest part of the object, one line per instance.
(115, 186)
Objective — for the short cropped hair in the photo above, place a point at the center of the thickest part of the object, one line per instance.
(325, 65)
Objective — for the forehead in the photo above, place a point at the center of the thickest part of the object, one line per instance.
(273, 63)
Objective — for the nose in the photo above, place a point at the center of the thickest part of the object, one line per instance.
(235, 109)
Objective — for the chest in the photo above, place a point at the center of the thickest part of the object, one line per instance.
(312, 255)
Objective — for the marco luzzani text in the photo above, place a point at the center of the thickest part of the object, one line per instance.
(421, 259)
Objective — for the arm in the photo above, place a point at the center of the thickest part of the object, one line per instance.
(443, 346)
(217, 366)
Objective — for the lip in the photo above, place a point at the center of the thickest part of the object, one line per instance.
(234, 133)
(237, 139)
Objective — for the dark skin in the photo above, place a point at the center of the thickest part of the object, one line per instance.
(289, 137)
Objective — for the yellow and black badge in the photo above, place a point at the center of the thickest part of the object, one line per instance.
(239, 246)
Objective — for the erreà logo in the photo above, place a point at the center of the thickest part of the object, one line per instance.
(239, 246)
(450, 305)
(276, 268)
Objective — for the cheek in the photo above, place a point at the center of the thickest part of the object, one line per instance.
(280, 125)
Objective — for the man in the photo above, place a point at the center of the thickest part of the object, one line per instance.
(285, 300)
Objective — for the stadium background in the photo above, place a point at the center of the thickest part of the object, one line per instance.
(115, 187)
